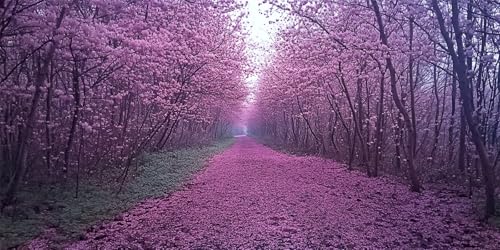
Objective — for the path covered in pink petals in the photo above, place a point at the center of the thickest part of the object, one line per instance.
(252, 197)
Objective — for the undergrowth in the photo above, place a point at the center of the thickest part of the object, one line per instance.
(478, 202)
(53, 206)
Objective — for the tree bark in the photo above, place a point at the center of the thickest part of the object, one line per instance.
(27, 132)
(459, 64)
(414, 179)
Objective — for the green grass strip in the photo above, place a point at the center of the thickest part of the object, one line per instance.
(55, 206)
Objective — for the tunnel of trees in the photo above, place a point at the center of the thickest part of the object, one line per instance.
(406, 88)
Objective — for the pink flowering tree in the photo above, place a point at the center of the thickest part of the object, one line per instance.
(89, 85)
(388, 87)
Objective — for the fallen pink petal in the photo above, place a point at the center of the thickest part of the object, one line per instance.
(251, 197)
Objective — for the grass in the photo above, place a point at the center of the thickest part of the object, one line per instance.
(55, 206)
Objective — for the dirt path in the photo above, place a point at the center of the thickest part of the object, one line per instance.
(251, 197)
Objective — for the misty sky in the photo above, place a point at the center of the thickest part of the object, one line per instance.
(260, 40)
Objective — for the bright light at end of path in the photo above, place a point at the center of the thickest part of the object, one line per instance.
(261, 33)
(245, 132)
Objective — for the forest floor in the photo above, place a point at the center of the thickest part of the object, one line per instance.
(252, 197)
(55, 210)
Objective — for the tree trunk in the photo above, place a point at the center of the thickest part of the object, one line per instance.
(26, 133)
(76, 116)
(459, 63)
(379, 130)
(414, 179)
